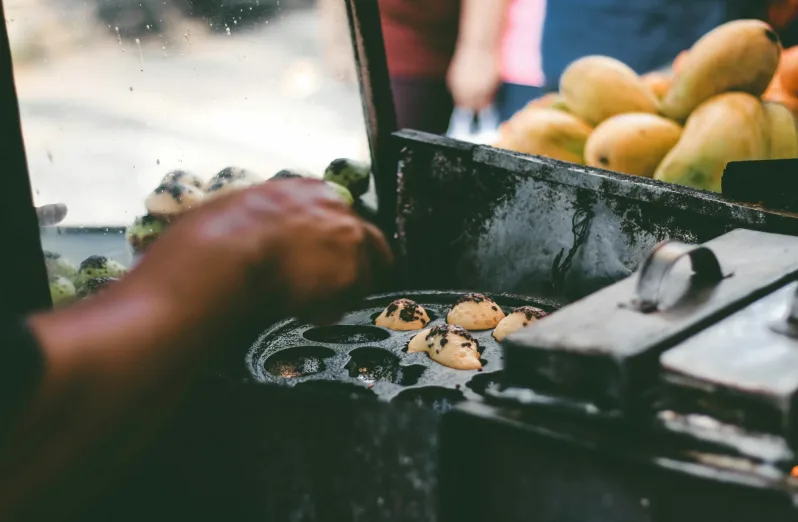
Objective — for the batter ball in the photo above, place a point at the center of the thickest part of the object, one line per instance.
(475, 312)
(448, 345)
(403, 315)
(520, 318)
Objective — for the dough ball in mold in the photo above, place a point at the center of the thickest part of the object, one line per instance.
(403, 315)
(449, 345)
(519, 318)
(171, 199)
(475, 312)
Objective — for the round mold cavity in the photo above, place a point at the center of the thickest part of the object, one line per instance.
(346, 334)
(375, 364)
(432, 397)
(486, 383)
(341, 389)
(298, 362)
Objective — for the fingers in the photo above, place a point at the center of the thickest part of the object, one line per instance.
(381, 256)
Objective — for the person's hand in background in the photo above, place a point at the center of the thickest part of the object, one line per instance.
(51, 215)
(473, 77)
(474, 73)
(782, 12)
(116, 365)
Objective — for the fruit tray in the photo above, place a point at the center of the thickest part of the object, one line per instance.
(355, 356)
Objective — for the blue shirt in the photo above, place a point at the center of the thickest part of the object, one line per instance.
(644, 34)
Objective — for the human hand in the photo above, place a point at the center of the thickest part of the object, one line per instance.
(125, 357)
(473, 77)
(288, 247)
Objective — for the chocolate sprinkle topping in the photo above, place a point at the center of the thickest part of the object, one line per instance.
(530, 312)
(445, 329)
(409, 310)
(286, 174)
(228, 173)
(477, 298)
(338, 165)
(176, 175)
(94, 262)
(176, 190)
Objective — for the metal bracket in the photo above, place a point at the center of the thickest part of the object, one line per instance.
(659, 264)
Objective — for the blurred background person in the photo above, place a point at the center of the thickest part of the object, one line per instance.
(644, 34)
(440, 54)
(522, 77)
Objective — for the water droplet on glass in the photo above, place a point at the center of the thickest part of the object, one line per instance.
(227, 30)
(141, 53)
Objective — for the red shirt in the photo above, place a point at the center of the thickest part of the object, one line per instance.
(420, 36)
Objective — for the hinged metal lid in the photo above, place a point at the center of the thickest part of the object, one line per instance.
(742, 370)
(603, 350)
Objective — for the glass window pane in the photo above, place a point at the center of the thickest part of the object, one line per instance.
(114, 94)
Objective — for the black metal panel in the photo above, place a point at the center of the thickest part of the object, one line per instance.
(378, 108)
(23, 286)
(477, 217)
(496, 466)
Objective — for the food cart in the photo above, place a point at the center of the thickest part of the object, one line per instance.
(612, 409)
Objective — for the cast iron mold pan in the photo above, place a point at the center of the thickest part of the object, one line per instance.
(356, 357)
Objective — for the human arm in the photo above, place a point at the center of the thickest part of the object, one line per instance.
(474, 74)
(116, 365)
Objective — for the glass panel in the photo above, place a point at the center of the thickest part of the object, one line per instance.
(114, 94)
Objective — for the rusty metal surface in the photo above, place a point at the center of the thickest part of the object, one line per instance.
(604, 351)
(471, 216)
(741, 370)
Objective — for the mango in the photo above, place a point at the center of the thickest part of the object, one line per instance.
(782, 131)
(546, 132)
(658, 83)
(727, 127)
(632, 143)
(598, 87)
(742, 55)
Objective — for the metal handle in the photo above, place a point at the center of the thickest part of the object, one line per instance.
(661, 261)
(789, 325)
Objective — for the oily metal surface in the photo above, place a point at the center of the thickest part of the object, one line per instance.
(355, 356)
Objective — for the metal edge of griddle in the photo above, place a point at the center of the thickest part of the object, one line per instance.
(608, 182)
(638, 444)
(684, 392)
(614, 394)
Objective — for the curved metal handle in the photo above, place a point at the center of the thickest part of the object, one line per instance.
(659, 264)
(789, 325)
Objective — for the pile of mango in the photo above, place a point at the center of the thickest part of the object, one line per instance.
(721, 101)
